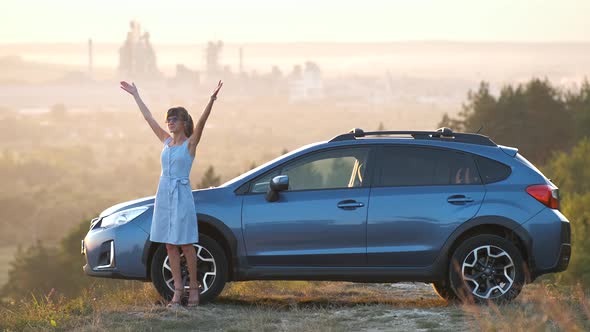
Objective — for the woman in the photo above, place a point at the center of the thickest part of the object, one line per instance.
(175, 218)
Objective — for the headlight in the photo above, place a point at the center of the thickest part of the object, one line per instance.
(122, 217)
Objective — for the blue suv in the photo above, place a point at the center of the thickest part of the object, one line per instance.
(474, 218)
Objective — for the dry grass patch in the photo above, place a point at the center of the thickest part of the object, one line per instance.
(301, 306)
(329, 294)
(541, 307)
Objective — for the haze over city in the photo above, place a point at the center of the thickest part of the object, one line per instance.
(299, 21)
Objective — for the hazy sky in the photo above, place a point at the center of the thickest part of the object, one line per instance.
(176, 21)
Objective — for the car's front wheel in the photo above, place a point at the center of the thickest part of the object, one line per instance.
(443, 289)
(211, 270)
(487, 268)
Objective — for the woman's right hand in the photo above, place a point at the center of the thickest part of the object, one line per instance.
(131, 88)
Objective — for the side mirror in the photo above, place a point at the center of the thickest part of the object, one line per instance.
(278, 183)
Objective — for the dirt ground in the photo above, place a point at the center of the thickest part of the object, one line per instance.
(320, 307)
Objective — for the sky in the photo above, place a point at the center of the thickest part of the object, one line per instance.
(176, 21)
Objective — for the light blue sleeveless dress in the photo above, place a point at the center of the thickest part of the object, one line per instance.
(175, 216)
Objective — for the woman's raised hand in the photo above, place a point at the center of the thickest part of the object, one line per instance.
(216, 91)
(131, 88)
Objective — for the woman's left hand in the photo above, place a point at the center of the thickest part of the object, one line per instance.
(216, 91)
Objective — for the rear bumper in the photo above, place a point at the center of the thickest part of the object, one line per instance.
(551, 245)
(565, 250)
(564, 258)
(561, 264)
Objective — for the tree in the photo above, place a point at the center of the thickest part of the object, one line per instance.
(38, 269)
(575, 207)
(209, 179)
(570, 172)
(252, 166)
(533, 117)
(579, 105)
(32, 271)
(479, 109)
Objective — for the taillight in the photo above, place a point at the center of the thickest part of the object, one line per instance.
(546, 194)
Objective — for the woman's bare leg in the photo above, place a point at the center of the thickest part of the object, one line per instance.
(191, 261)
(174, 259)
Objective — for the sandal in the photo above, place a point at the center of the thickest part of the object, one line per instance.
(194, 303)
(176, 304)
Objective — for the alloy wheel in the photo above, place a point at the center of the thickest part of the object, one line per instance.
(206, 270)
(488, 271)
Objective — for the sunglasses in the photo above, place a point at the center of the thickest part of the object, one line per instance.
(172, 119)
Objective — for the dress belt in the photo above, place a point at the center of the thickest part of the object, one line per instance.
(176, 181)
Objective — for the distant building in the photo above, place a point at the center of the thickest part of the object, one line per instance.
(90, 59)
(186, 75)
(306, 84)
(212, 57)
(137, 57)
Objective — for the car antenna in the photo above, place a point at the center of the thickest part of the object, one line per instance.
(480, 128)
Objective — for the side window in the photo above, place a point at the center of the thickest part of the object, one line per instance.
(492, 171)
(343, 168)
(418, 166)
(260, 185)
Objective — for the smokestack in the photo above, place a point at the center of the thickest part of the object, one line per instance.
(90, 58)
(241, 60)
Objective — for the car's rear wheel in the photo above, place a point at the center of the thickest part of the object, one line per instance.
(211, 270)
(486, 268)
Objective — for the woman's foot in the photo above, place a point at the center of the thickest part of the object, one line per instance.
(193, 297)
(175, 302)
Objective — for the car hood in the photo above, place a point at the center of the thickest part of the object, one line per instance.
(149, 201)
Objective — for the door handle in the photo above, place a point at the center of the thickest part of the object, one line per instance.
(350, 204)
(459, 199)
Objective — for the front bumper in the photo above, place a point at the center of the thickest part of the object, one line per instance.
(117, 252)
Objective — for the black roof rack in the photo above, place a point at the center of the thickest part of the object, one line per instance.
(439, 134)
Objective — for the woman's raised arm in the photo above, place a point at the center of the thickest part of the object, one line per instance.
(159, 131)
(196, 136)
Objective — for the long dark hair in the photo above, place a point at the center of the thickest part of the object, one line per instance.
(182, 114)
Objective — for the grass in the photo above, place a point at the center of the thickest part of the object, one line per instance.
(300, 306)
(543, 307)
(6, 256)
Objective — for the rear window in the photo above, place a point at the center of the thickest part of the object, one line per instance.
(418, 166)
(492, 171)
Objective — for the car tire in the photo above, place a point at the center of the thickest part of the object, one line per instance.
(486, 268)
(212, 270)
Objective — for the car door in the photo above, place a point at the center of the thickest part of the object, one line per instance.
(419, 197)
(319, 221)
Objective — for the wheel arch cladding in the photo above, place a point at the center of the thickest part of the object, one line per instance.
(215, 229)
(495, 225)
(219, 232)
